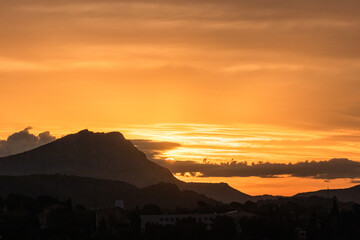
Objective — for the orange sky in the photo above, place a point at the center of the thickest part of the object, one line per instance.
(257, 81)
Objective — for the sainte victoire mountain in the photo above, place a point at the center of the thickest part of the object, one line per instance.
(79, 162)
(107, 156)
(88, 154)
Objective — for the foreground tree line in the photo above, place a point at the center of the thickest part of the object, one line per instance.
(45, 217)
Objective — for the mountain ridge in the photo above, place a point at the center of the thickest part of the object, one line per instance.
(99, 155)
(100, 192)
(109, 156)
(351, 194)
(105, 156)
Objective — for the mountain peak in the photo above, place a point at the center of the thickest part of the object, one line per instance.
(86, 132)
(106, 156)
(90, 154)
(94, 140)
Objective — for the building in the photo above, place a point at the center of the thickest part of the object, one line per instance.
(171, 219)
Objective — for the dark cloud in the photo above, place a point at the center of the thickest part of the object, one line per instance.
(153, 148)
(23, 141)
(332, 169)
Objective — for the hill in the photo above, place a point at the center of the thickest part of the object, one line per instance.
(92, 192)
(219, 191)
(351, 194)
(105, 156)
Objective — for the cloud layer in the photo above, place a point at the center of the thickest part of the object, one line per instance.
(332, 169)
(24, 141)
(293, 63)
(153, 148)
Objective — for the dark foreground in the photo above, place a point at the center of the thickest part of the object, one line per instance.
(45, 217)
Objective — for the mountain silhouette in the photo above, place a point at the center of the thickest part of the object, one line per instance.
(92, 192)
(351, 194)
(219, 191)
(109, 156)
(105, 156)
(88, 154)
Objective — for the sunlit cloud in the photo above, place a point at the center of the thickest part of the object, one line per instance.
(251, 143)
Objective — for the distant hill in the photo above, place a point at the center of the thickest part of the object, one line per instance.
(219, 191)
(109, 156)
(351, 194)
(93, 192)
(105, 156)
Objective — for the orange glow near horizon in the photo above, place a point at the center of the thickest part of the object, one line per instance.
(251, 143)
(243, 80)
(287, 186)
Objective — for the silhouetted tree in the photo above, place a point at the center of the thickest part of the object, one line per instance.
(16, 202)
(250, 205)
(189, 228)
(223, 227)
(151, 209)
(2, 204)
(335, 209)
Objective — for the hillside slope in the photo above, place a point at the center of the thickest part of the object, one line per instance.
(351, 194)
(93, 192)
(105, 156)
(88, 154)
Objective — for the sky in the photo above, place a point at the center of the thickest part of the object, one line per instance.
(270, 81)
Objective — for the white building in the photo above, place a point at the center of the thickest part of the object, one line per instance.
(171, 219)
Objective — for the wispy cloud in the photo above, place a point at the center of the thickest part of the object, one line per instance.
(288, 63)
(252, 143)
(153, 148)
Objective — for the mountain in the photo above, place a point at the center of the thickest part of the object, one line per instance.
(351, 194)
(105, 156)
(219, 191)
(109, 156)
(92, 192)
(88, 154)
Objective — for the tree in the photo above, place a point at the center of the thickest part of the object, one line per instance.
(223, 227)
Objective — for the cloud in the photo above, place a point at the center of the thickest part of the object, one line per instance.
(282, 62)
(324, 27)
(24, 141)
(153, 148)
(332, 169)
